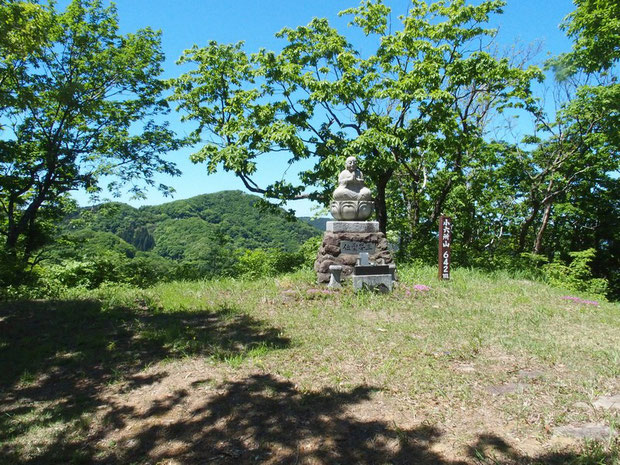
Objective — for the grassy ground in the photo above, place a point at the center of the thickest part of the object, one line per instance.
(480, 370)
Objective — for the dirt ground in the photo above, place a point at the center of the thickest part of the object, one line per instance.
(191, 411)
(82, 385)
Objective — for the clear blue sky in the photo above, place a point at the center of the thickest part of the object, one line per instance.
(187, 22)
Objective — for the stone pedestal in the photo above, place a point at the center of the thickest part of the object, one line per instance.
(379, 282)
(342, 243)
(349, 210)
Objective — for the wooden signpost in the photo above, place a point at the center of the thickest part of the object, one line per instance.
(445, 239)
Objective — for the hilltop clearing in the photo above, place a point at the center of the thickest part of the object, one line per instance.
(485, 369)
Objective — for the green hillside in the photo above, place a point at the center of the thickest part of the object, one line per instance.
(318, 223)
(204, 236)
(232, 215)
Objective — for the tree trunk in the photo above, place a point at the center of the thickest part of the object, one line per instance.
(440, 201)
(543, 227)
(468, 231)
(10, 245)
(11, 234)
(412, 204)
(547, 203)
(525, 226)
(380, 201)
(26, 222)
(381, 209)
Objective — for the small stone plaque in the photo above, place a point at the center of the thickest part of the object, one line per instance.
(355, 247)
(369, 270)
(352, 226)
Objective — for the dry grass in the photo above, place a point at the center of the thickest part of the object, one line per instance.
(482, 369)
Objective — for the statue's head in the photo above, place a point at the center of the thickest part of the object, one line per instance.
(351, 163)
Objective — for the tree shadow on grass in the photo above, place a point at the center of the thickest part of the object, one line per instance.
(262, 419)
(56, 357)
(257, 419)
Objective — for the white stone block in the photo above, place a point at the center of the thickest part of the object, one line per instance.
(352, 226)
(375, 282)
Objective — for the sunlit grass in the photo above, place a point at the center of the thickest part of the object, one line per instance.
(436, 347)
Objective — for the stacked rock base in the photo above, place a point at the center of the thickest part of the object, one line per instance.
(342, 243)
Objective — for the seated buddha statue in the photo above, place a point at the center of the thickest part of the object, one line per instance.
(351, 183)
(352, 199)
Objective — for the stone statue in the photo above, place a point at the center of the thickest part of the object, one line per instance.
(352, 199)
(351, 183)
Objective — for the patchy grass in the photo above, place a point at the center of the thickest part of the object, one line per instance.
(481, 370)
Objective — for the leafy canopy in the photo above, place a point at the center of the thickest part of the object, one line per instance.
(80, 103)
(595, 28)
(416, 103)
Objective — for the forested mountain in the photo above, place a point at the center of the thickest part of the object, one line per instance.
(174, 228)
(204, 236)
(318, 223)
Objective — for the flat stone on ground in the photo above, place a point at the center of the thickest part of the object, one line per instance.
(465, 368)
(531, 374)
(581, 405)
(507, 388)
(608, 403)
(587, 431)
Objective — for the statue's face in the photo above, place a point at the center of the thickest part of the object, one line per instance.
(351, 164)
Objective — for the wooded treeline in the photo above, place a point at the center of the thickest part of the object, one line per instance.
(430, 108)
(225, 234)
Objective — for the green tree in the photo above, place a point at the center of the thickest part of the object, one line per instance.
(594, 27)
(414, 106)
(79, 102)
(570, 199)
(576, 148)
(23, 27)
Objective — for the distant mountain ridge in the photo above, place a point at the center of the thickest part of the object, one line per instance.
(318, 223)
(227, 218)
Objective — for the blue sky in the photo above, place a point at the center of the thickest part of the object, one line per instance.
(187, 22)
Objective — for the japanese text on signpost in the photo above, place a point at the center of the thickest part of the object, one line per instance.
(445, 240)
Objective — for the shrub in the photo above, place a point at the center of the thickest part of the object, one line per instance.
(308, 251)
(576, 276)
(147, 269)
(267, 262)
